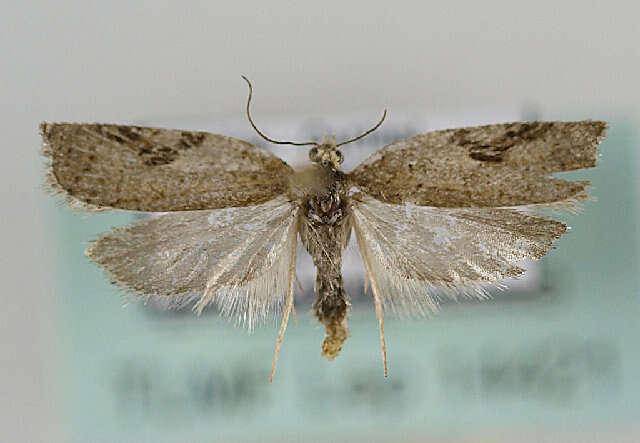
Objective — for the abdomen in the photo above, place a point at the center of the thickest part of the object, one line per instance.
(325, 231)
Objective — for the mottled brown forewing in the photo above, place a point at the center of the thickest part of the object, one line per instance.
(485, 166)
(151, 169)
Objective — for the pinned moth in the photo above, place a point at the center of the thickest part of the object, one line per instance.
(445, 211)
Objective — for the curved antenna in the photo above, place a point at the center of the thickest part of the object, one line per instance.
(258, 131)
(364, 134)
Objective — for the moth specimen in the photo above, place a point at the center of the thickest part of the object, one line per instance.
(443, 212)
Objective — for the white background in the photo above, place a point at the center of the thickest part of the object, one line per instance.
(121, 61)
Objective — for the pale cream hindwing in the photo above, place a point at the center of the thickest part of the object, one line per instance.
(103, 166)
(237, 258)
(413, 252)
(498, 165)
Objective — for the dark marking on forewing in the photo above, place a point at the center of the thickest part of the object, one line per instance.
(191, 139)
(488, 153)
(152, 153)
(129, 132)
(495, 149)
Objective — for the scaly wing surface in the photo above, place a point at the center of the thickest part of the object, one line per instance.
(412, 252)
(238, 258)
(486, 166)
(101, 166)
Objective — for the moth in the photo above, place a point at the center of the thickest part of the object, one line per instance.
(444, 212)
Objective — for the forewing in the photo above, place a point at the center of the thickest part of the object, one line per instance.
(237, 258)
(486, 166)
(158, 170)
(412, 252)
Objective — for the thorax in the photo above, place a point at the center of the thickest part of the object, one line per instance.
(325, 224)
(326, 206)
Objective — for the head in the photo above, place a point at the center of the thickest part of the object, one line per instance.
(326, 154)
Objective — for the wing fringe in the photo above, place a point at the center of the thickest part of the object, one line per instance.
(51, 186)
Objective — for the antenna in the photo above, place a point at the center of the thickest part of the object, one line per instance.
(277, 142)
(364, 134)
